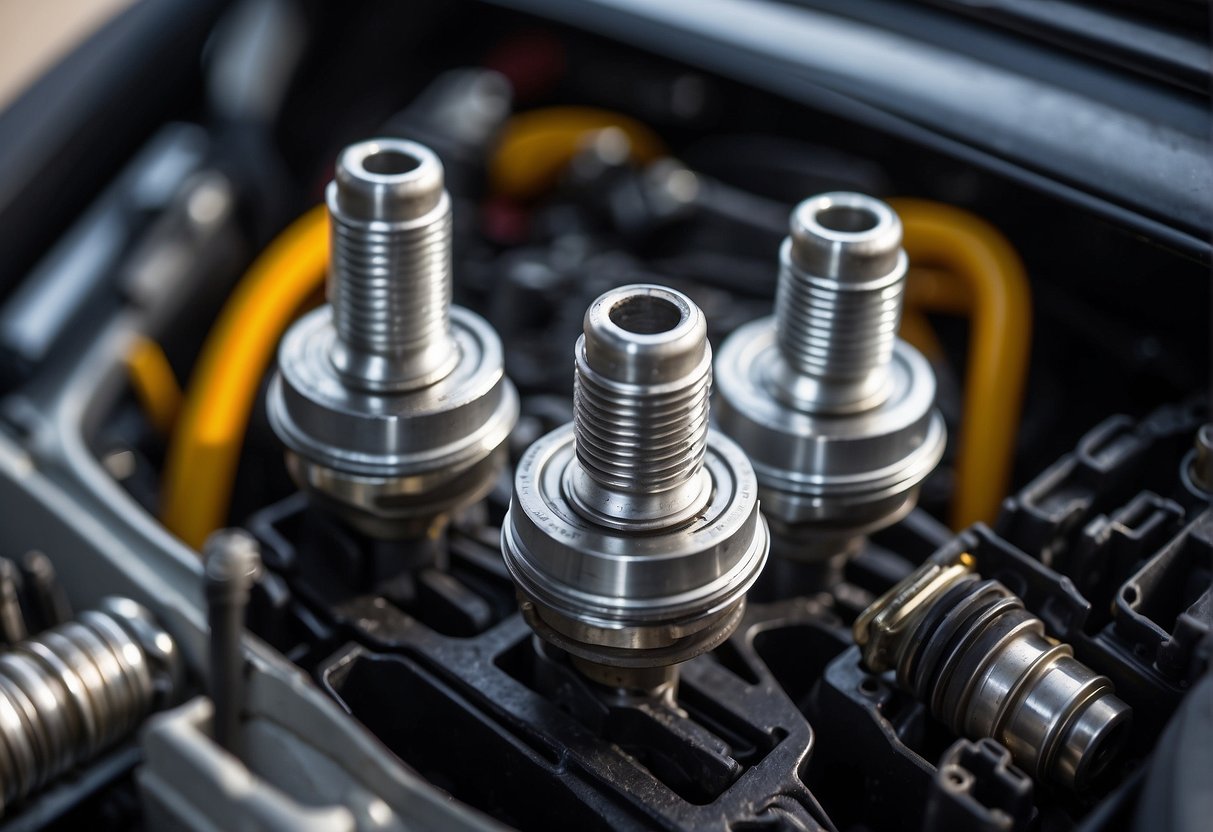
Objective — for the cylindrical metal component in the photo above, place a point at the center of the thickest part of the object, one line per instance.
(232, 564)
(984, 665)
(634, 532)
(838, 304)
(640, 408)
(392, 403)
(390, 274)
(76, 689)
(835, 412)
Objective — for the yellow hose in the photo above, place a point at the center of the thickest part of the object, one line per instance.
(917, 330)
(938, 291)
(536, 146)
(988, 281)
(205, 447)
(154, 384)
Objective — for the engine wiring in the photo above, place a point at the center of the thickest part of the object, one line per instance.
(204, 448)
(154, 384)
(990, 285)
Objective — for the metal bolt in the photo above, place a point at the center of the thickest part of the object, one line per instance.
(232, 566)
(971, 651)
(837, 415)
(391, 402)
(390, 277)
(74, 690)
(640, 409)
(839, 299)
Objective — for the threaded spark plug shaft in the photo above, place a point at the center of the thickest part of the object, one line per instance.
(390, 275)
(640, 409)
(634, 532)
(983, 664)
(838, 303)
(392, 402)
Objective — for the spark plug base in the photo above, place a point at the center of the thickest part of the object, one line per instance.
(632, 600)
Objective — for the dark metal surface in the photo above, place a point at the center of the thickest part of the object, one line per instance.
(82, 268)
(1115, 34)
(440, 637)
(421, 643)
(1137, 156)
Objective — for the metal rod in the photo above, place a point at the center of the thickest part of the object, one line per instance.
(233, 564)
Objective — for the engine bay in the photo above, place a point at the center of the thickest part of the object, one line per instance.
(536, 415)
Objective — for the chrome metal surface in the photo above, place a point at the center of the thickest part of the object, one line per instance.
(233, 563)
(640, 409)
(835, 412)
(392, 403)
(390, 272)
(76, 689)
(838, 303)
(634, 532)
(985, 666)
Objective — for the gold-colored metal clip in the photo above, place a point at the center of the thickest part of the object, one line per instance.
(878, 628)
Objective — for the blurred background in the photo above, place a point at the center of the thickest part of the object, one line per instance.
(33, 36)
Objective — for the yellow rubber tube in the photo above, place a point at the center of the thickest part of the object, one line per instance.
(205, 447)
(935, 290)
(990, 280)
(154, 384)
(917, 330)
(535, 147)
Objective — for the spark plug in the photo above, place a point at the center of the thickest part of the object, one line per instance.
(836, 413)
(392, 403)
(634, 532)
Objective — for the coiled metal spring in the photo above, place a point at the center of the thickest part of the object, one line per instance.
(76, 689)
